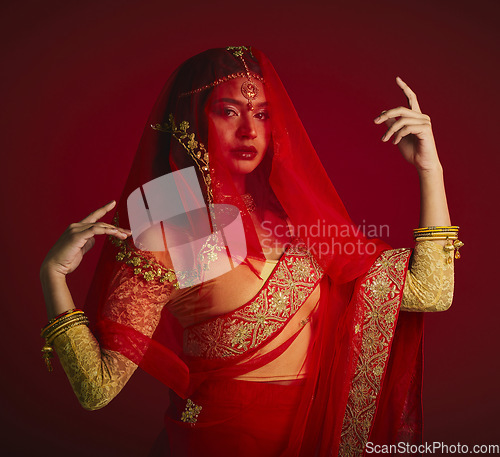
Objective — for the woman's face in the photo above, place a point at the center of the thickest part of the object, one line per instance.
(242, 135)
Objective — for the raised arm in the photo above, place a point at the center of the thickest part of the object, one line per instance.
(429, 284)
(412, 132)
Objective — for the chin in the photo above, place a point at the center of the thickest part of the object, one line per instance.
(244, 167)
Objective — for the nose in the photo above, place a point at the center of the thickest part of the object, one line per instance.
(246, 128)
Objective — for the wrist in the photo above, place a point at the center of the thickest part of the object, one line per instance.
(50, 276)
(434, 170)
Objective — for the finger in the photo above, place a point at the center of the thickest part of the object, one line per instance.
(398, 125)
(93, 230)
(409, 129)
(410, 95)
(104, 224)
(398, 112)
(80, 227)
(96, 215)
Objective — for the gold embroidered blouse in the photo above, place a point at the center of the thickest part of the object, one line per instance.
(97, 375)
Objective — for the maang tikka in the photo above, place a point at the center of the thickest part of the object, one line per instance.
(249, 89)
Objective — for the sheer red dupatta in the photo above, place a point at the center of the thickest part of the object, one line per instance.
(330, 421)
(297, 184)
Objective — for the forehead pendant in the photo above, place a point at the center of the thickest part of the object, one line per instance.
(250, 92)
(249, 89)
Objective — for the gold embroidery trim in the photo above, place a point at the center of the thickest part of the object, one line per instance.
(287, 288)
(196, 149)
(142, 263)
(191, 413)
(380, 291)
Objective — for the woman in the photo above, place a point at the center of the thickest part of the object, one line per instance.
(273, 321)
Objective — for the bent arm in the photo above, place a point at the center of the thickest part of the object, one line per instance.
(97, 376)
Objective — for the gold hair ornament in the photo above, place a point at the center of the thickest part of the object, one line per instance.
(196, 149)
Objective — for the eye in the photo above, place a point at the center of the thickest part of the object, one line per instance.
(229, 112)
(262, 115)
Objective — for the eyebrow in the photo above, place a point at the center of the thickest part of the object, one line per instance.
(238, 102)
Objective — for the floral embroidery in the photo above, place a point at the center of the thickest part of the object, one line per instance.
(380, 291)
(301, 269)
(279, 301)
(191, 413)
(251, 325)
(380, 288)
(144, 263)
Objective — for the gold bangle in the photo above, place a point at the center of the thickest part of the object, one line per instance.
(434, 235)
(435, 238)
(58, 326)
(59, 320)
(62, 328)
(435, 231)
(439, 228)
(440, 233)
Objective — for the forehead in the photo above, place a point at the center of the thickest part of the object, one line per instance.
(232, 89)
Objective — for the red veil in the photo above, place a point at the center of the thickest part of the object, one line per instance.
(364, 359)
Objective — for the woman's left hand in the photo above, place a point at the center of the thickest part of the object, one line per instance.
(411, 131)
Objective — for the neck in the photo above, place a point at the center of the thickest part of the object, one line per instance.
(240, 183)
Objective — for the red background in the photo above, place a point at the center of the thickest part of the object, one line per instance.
(78, 81)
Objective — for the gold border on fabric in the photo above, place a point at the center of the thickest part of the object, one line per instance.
(143, 264)
(378, 300)
(290, 284)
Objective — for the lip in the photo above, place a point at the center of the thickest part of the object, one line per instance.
(244, 152)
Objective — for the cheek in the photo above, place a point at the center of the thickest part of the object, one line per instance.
(267, 135)
(218, 135)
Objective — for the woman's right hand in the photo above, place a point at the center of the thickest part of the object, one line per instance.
(68, 251)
